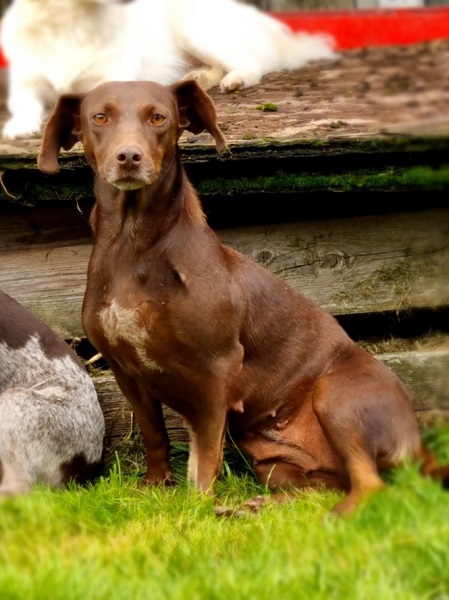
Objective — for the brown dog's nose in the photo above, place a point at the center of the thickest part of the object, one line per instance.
(129, 156)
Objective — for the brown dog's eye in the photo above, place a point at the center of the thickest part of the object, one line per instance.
(100, 118)
(157, 119)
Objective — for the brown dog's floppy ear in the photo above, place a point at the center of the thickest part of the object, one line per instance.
(197, 111)
(59, 132)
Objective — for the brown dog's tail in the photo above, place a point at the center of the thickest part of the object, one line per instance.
(431, 468)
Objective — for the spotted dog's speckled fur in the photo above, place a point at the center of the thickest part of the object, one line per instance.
(51, 423)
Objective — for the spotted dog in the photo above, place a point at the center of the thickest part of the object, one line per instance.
(51, 423)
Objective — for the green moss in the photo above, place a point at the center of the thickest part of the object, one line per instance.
(250, 136)
(29, 193)
(28, 187)
(392, 179)
(267, 107)
(337, 124)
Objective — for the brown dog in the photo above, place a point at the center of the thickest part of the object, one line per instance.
(184, 321)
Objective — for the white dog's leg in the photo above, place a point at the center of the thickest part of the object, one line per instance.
(207, 77)
(242, 41)
(27, 111)
(238, 79)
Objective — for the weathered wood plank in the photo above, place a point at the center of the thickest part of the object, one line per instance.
(357, 265)
(118, 414)
(361, 264)
(50, 282)
(52, 224)
(425, 373)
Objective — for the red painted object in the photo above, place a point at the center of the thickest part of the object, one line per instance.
(380, 27)
(3, 62)
(362, 27)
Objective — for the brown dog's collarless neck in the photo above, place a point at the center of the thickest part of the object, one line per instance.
(149, 213)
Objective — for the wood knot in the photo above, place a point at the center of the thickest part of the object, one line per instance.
(337, 261)
(263, 256)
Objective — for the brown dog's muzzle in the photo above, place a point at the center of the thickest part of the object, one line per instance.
(129, 157)
(128, 166)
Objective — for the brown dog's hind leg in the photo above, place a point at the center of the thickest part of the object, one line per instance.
(366, 425)
(279, 474)
(285, 468)
(431, 468)
(365, 479)
(285, 479)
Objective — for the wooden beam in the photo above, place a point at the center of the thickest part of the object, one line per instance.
(355, 265)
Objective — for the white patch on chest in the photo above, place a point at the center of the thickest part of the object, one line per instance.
(126, 324)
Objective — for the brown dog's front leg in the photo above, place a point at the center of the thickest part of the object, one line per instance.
(151, 422)
(206, 450)
(150, 419)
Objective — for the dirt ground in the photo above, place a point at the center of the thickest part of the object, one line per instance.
(402, 89)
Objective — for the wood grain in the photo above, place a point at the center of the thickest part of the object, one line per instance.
(356, 265)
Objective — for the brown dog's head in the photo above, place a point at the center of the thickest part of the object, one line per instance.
(129, 130)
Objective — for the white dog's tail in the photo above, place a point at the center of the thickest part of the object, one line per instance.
(278, 46)
(240, 37)
(294, 50)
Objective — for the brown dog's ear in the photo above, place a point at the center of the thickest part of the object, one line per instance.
(59, 132)
(197, 111)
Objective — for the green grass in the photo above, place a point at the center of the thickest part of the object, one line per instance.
(118, 540)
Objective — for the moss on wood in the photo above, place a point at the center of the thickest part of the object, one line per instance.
(400, 277)
(74, 181)
(393, 179)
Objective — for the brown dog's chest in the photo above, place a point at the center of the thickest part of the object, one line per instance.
(125, 325)
(131, 327)
(154, 316)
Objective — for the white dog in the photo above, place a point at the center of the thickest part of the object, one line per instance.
(60, 46)
(51, 423)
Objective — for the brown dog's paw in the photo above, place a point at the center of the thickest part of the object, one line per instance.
(256, 503)
(234, 513)
(224, 511)
(342, 509)
(249, 508)
(145, 482)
